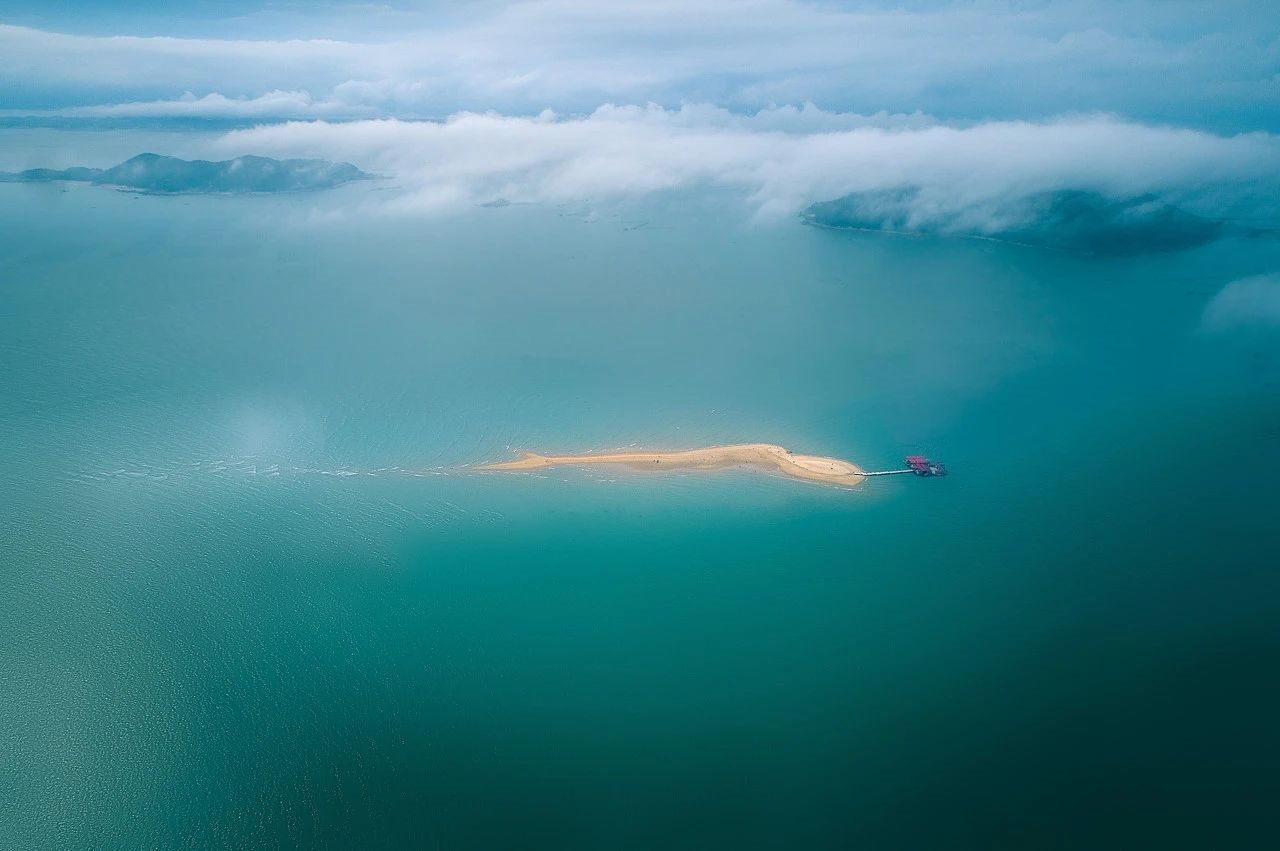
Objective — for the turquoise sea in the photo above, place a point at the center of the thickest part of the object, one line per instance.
(251, 598)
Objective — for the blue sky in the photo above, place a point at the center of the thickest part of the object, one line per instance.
(1208, 66)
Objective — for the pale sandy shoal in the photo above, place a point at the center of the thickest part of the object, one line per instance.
(765, 456)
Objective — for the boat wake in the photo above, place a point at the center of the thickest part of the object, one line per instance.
(351, 508)
(244, 467)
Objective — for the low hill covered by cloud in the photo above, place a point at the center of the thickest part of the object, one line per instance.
(171, 176)
(1070, 220)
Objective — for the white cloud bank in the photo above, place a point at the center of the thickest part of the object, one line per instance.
(783, 159)
(274, 104)
(1246, 302)
(1152, 59)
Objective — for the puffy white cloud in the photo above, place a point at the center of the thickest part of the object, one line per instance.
(1245, 302)
(783, 158)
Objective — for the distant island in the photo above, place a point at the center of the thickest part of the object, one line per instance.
(763, 456)
(153, 173)
(1069, 220)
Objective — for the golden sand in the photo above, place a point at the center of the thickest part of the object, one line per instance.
(763, 456)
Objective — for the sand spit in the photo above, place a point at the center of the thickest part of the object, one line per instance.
(763, 456)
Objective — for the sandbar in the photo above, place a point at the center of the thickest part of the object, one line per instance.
(762, 456)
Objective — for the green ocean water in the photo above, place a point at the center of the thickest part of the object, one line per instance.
(250, 599)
